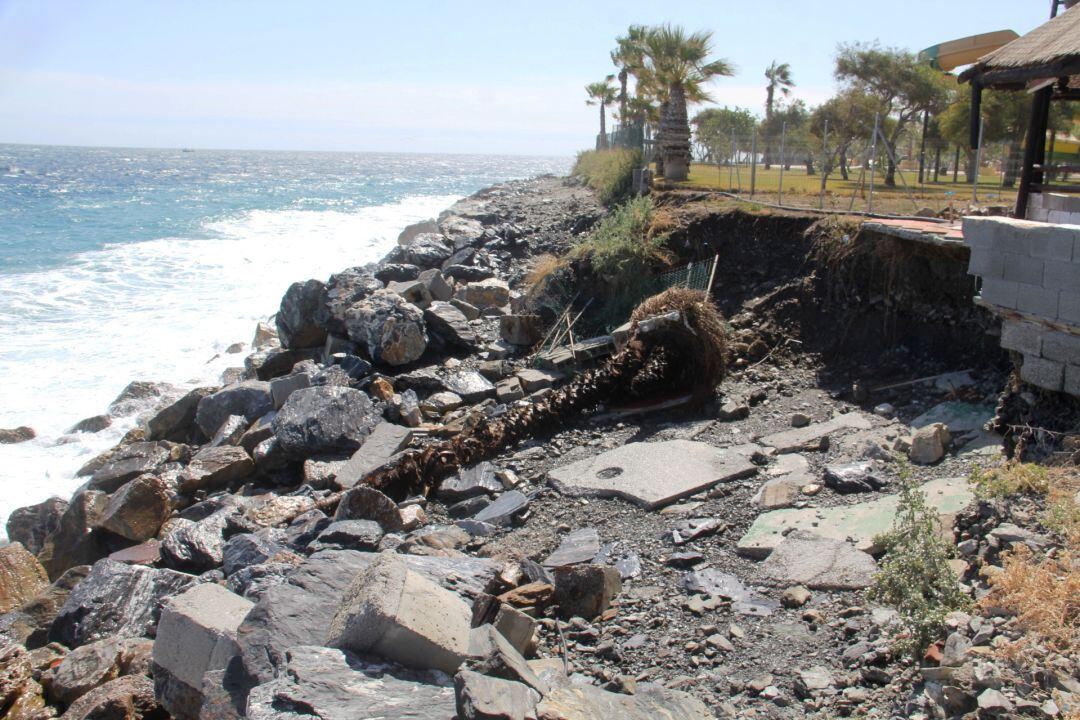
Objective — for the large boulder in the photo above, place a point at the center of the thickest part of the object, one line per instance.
(344, 290)
(251, 398)
(450, 325)
(480, 697)
(21, 576)
(300, 610)
(364, 502)
(130, 697)
(483, 294)
(389, 328)
(74, 542)
(137, 510)
(115, 600)
(82, 670)
(20, 694)
(32, 524)
(337, 685)
(43, 607)
(325, 419)
(298, 318)
(127, 463)
(275, 362)
(196, 546)
(428, 250)
(196, 634)
(214, 468)
(176, 421)
(399, 614)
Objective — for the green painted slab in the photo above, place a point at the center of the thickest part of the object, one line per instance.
(860, 523)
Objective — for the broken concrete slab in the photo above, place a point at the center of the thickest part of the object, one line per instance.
(958, 417)
(480, 697)
(861, 523)
(652, 474)
(401, 615)
(385, 441)
(533, 379)
(573, 700)
(804, 558)
(812, 436)
(196, 634)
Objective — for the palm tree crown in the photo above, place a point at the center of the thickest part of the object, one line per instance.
(779, 77)
(602, 94)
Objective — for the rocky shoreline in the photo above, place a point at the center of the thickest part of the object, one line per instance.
(227, 560)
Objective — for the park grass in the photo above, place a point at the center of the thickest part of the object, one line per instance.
(803, 190)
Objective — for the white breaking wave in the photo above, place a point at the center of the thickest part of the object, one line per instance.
(164, 310)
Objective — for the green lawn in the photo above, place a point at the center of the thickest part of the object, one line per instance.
(802, 189)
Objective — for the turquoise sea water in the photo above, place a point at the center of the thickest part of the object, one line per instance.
(122, 264)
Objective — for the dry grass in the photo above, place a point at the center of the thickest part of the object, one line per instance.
(700, 346)
(540, 276)
(1013, 478)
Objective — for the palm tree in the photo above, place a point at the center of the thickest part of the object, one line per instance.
(628, 57)
(675, 71)
(779, 77)
(602, 94)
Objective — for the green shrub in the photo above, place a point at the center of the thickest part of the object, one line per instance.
(914, 576)
(1010, 479)
(624, 258)
(609, 172)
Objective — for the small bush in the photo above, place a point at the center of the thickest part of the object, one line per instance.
(624, 256)
(914, 575)
(1010, 479)
(609, 172)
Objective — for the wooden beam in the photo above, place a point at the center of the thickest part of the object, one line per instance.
(1034, 149)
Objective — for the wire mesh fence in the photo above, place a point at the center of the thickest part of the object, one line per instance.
(876, 173)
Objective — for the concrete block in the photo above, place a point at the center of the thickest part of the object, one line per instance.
(1072, 380)
(1048, 374)
(1000, 292)
(1022, 268)
(1051, 243)
(1061, 276)
(1069, 307)
(1061, 346)
(281, 388)
(984, 263)
(401, 615)
(1037, 300)
(979, 232)
(1023, 337)
(196, 634)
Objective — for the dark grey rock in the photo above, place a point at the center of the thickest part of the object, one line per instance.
(334, 684)
(428, 250)
(577, 547)
(140, 394)
(385, 441)
(253, 581)
(343, 291)
(351, 535)
(585, 590)
(470, 482)
(30, 525)
(298, 317)
(247, 549)
(275, 362)
(230, 432)
(115, 600)
(214, 468)
(251, 398)
(449, 324)
(397, 272)
(127, 463)
(853, 477)
(389, 328)
(480, 697)
(364, 502)
(470, 385)
(299, 611)
(94, 424)
(177, 421)
(492, 654)
(436, 284)
(324, 419)
(73, 542)
(503, 510)
(304, 528)
(468, 508)
(196, 546)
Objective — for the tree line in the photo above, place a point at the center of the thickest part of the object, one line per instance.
(887, 87)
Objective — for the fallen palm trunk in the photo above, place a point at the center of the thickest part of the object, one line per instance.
(677, 344)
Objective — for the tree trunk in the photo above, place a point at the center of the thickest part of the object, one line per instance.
(937, 162)
(657, 151)
(768, 124)
(1012, 164)
(674, 136)
(890, 166)
(843, 162)
(969, 165)
(623, 75)
(602, 141)
(810, 164)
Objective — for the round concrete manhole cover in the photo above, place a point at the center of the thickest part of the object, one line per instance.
(609, 472)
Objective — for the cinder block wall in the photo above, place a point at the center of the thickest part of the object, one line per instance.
(1030, 273)
(1054, 207)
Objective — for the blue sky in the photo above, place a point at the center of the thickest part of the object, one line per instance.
(497, 77)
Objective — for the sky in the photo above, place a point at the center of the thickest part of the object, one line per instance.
(468, 76)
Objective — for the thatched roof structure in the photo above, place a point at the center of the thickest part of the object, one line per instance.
(1050, 51)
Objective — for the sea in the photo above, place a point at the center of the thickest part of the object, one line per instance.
(148, 264)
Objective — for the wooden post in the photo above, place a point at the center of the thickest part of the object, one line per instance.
(1034, 148)
(978, 160)
(922, 144)
(780, 189)
(753, 161)
(873, 164)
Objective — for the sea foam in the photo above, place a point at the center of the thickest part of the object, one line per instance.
(162, 310)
